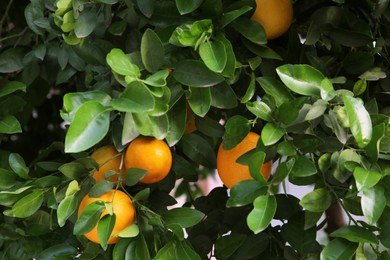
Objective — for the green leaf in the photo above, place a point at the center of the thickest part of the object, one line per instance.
(7, 179)
(317, 109)
(303, 167)
(105, 226)
(195, 74)
(229, 17)
(244, 193)
(199, 150)
(359, 87)
(186, 7)
(66, 208)
(121, 64)
(286, 148)
(90, 125)
(57, 251)
(185, 217)
(11, 60)
(146, 7)
(250, 90)
(166, 252)
(373, 147)
(271, 134)
(10, 125)
(236, 128)
(185, 251)
(260, 110)
(359, 120)
(130, 231)
(73, 188)
(255, 164)
(129, 131)
(223, 96)
(250, 29)
(373, 203)
(17, 164)
(276, 89)
(12, 86)
(152, 51)
(283, 171)
(225, 246)
(86, 22)
(317, 201)
(133, 175)
(200, 100)
(339, 249)
(355, 234)
(214, 55)
(88, 218)
(135, 98)
(365, 178)
(157, 79)
(149, 125)
(230, 66)
(100, 188)
(27, 205)
(306, 80)
(262, 214)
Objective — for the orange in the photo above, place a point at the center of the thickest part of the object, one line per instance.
(274, 15)
(232, 172)
(109, 159)
(122, 207)
(150, 154)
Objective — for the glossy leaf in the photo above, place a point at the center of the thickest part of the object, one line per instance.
(317, 201)
(152, 51)
(195, 74)
(85, 23)
(133, 175)
(148, 125)
(229, 17)
(365, 178)
(66, 208)
(88, 218)
(236, 128)
(355, 234)
(17, 164)
(214, 55)
(244, 193)
(130, 231)
(339, 249)
(100, 188)
(121, 64)
(10, 125)
(262, 214)
(186, 7)
(199, 150)
(200, 101)
(303, 167)
(306, 80)
(105, 226)
(12, 86)
(90, 125)
(359, 121)
(276, 89)
(185, 217)
(373, 203)
(260, 109)
(135, 98)
(271, 134)
(27, 205)
(250, 29)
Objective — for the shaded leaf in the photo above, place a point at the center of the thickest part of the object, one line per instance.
(262, 214)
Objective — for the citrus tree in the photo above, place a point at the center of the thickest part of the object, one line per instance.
(112, 109)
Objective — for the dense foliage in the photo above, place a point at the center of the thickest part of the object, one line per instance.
(77, 75)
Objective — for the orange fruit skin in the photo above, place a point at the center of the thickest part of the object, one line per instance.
(231, 172)
(112, 161)
(150, 154)
(122, 207)
(274, 15)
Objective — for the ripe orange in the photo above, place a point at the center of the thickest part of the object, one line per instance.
(150, 154)
(274, 15)
(109, 159)
(122, 207)
(232, 172)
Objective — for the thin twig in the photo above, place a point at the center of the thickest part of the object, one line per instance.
(5, 16)
(14, 35)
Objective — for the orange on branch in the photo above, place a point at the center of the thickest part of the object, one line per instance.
(109, 159)
(123, 208)
(150, 154)
(232, 172)
(274, 15)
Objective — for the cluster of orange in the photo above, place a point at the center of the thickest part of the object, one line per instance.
(155, 156)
